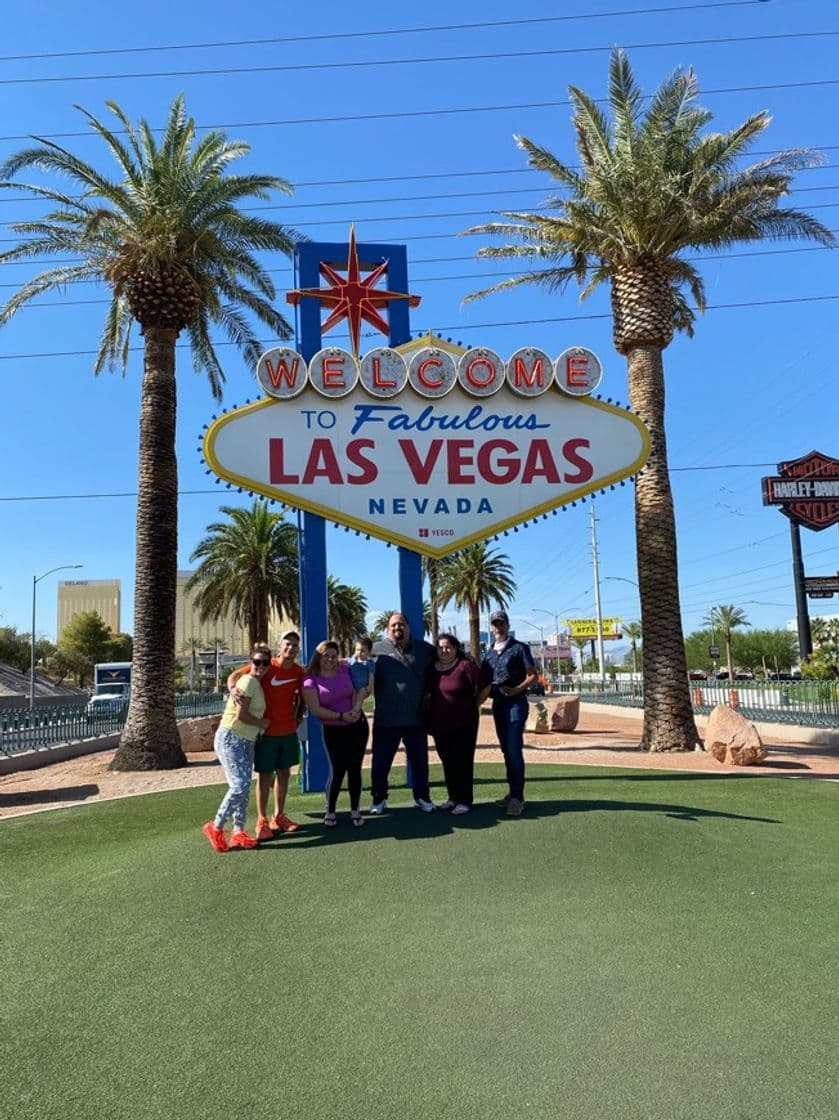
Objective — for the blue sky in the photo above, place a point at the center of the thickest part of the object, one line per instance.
(756, 385)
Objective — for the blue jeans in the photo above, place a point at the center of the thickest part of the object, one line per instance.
(510, 718)
(236, 757)
(385, 742)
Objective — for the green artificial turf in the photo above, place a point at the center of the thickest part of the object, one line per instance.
(640, 946)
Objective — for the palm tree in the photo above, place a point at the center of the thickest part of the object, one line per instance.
(652, 186)
(192, 646)
(431, 569)
(168, 238)
(726, 618)
(381, 620)
(347, 611)
(248, 566)
(476, 578)
(633, 631)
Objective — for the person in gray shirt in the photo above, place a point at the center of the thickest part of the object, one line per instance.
(402, 664)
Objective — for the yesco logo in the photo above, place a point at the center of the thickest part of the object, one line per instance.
(430, 372)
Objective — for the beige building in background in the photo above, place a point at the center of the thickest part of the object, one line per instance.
(189, 628)
(233, 638)
(76, 596)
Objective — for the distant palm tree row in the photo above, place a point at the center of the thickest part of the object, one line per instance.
(249, 567)
(171, 240)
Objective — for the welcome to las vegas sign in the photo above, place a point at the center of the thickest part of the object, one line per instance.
(425, 445)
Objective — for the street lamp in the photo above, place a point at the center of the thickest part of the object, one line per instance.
(622, 579)
(541, 629)
(35, 581)
(555, 617)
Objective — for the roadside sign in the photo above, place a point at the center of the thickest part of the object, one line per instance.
(714, 651)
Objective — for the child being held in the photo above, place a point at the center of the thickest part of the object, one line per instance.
(362, 668)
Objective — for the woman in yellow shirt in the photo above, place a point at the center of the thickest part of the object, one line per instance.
(241, 723)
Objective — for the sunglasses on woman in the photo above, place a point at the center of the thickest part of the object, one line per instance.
(260, 661)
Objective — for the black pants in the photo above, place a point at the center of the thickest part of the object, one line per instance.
(345, 747)
(456, 748)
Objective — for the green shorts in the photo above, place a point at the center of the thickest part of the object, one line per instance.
(276, 752)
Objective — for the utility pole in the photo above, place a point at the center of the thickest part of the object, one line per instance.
(597, 608)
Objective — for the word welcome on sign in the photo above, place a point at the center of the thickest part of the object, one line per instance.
(430, 371)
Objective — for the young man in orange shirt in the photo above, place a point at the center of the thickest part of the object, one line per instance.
(278, 749)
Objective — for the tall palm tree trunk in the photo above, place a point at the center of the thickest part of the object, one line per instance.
(150, 740)
(434, 600)
(475, 631)
(668, 716)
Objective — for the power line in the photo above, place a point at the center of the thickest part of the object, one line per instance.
(309, 67)
(463, 328)
(405, 218)
(430, 174)
(472, 276)
(375, 33)
(427, 279)
(506, 192)
(214, 490)
(404, 114)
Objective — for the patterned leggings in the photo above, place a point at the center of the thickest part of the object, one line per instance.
(236, 756)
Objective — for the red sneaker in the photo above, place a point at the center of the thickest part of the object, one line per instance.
(242, 840)
(281, 823)
(216, 836)
(263, 829)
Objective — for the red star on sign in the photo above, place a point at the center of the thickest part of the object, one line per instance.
(352, 297)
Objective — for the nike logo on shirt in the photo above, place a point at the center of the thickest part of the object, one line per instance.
(274, 684)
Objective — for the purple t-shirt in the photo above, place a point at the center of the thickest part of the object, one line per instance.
(453, 695)
(334, 693)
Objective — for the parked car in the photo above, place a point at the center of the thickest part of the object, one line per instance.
(105, 706)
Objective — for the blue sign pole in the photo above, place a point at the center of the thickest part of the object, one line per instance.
(313, 587)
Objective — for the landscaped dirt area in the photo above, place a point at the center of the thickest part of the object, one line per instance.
(602, 738)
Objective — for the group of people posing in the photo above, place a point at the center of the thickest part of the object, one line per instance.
(417, 689)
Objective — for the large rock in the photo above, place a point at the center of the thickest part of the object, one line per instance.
(537, 719)
(566, 714)
(732, 739)
(198, 734)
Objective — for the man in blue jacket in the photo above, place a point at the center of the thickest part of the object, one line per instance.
(402, 664)
(510, 663)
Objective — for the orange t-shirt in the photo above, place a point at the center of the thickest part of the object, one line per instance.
(281, 688)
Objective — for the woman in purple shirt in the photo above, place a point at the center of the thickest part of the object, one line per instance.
(329, 695)
(453, 685)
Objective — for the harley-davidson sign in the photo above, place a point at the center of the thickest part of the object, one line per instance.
(807, 490)
(431, 452)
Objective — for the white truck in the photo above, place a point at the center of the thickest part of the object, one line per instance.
(111, 687)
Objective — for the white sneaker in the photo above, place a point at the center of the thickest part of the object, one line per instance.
(378, 807)
(426, 806)
(459, 810)
(447, 805)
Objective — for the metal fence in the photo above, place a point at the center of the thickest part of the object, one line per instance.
(806, 703)
(24, 730)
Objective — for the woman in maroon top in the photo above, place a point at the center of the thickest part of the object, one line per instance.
(453, 685)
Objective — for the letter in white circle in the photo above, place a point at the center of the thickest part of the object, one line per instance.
(383, 372)
(480, 372)
(578, 371)
(530, 372)
(432, 372)
(333, 372)
(282, 373)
